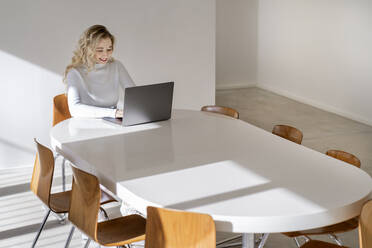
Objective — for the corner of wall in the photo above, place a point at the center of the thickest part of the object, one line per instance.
(226, 86)
(316, 104)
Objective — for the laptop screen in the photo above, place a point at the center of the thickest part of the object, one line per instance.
(148, 103)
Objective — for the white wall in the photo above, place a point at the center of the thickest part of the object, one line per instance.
(157, 41)
(318, 52)
(236, 43)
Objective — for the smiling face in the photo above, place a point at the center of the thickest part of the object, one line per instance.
(103, 51)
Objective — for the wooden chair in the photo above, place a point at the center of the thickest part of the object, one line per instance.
(222, 110)
(177, 229)
(344, 156)
(61, 111)
(41, 184)
(340, 227)
(365, 231)
(84, 207)
(365, 226)
(289, 133)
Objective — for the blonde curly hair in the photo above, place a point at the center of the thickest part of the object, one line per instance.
(85, 52)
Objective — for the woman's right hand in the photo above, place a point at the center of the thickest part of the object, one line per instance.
(119, 113)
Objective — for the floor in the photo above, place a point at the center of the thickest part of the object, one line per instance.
(13, 155)
(21, 212)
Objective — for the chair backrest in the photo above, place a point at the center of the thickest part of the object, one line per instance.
(177, 229)
(288, 132)
(344, 156)
(42, 175)
(85, 202)
(221, 110)
(61, 111)
(365, 226)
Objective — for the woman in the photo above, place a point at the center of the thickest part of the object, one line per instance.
(94, 78)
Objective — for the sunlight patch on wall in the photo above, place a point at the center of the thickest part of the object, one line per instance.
(26, 102)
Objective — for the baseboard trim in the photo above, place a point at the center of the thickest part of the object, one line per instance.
(316, 104)
(235, 86)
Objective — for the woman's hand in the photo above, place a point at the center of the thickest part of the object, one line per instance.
(119, 113)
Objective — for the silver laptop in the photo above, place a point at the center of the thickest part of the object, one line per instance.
(145, 104)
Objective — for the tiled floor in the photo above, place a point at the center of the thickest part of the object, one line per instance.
(21, 213)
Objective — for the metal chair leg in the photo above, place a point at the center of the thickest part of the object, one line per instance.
(87, 244)
(70, 237)
(231, 245)
(297, 242)
(336, 239)
(63, 175)
(259, 238)
(263, 240)
(63, 171)
(63, 218)
(228, 239)
(307, 238)
(104, 213)
(60, 217)
(41, 228)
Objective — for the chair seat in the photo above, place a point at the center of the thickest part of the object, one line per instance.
(336, 228)
(121, 231)
(60, 202)
(320, 244)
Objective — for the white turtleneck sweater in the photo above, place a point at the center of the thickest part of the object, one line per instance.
(96, 93)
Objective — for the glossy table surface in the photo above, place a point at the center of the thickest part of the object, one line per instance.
(249, 180)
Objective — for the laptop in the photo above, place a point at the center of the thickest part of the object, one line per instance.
(144, 104)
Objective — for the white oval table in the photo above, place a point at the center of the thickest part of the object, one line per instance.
(247, 179)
